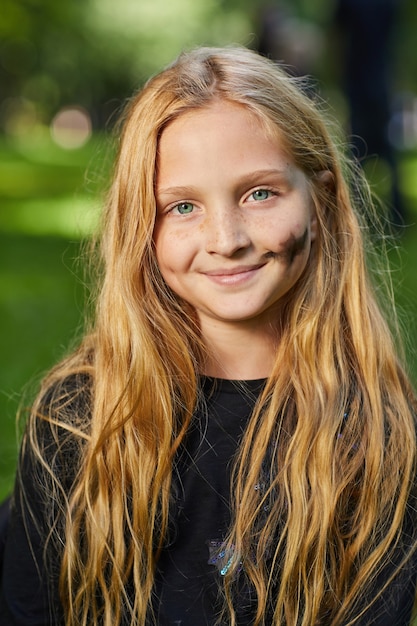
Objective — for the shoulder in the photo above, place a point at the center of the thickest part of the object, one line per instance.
(65, 404)
(57, 429)
(50, 460)
(67, 399)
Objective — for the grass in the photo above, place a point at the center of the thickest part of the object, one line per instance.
(40, 303)
(47, 205)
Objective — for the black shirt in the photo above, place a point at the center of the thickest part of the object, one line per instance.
(191, 566)
(190, 569)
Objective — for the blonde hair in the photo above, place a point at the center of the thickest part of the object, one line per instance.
(332, 437)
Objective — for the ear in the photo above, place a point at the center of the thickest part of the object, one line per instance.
(325, 178)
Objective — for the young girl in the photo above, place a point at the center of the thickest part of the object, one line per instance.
(234, 441)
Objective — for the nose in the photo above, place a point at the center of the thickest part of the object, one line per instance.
(226, 233)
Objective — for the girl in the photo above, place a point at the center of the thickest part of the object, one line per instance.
(234, 441)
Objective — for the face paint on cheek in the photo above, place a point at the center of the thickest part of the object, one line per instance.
(293, 247)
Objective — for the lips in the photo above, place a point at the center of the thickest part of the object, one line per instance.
(233, 275)
(232, 271)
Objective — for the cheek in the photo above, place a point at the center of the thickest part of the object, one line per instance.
(163, 251)
(173, 251)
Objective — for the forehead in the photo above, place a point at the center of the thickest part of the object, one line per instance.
(220, 128)
(228, 124)
(224, 110)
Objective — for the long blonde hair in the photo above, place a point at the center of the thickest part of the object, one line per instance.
(332, 438)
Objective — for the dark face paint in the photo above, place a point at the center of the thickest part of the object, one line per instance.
(293, 247)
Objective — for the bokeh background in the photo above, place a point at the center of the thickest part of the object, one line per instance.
(67, 67)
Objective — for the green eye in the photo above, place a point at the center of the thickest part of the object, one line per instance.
(261, 194)
(184, 208)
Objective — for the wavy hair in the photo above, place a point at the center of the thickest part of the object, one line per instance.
(332, 438)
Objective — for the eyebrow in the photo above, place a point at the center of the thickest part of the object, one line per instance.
(251, 178)
(175, 191)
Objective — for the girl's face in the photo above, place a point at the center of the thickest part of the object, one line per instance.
(235, 219)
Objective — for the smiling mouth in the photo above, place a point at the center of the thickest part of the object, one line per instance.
(233, 276)
(234, 271)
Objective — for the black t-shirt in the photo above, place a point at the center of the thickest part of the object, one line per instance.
(193, 562)
(190, 569)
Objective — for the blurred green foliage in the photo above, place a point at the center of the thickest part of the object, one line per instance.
(40, 303)
(95, 52)
(45, 211)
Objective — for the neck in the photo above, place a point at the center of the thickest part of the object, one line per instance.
(237, 352)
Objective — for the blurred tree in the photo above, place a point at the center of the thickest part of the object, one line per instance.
(94, 52)
(49, 57)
